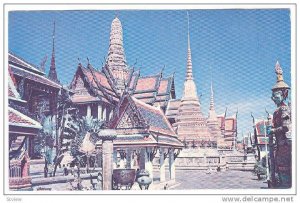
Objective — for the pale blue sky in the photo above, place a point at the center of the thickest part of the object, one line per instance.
(240, 47)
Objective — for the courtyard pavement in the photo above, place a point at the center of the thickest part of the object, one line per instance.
(195, 179)
(187, 180)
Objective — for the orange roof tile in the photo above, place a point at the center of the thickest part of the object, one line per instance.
(18, 119)
(163, 86)
(147, 83)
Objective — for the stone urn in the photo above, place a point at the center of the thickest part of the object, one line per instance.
(143, 179)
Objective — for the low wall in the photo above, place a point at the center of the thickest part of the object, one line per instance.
(61, 179)
(193, 159)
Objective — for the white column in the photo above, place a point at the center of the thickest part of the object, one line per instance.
(162, 169)
(122, 161)
(171, 165)
(132, 160)
(107, 156)
(128, 158)
(99, 112)
(111, 114)
(142, 160)
(88, 111)
(115, 159)
(104, 113)
(148, 164)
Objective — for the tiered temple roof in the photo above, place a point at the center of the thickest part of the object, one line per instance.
(36, 92)
(13, 94)
(20, 62)
(26, 70)
(228, 126)
(172, 109)
(91, 85)
(16, 118)
(21, 127)
(259, 133)
(19, 124)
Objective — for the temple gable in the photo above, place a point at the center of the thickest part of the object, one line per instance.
(79, 87)
(130, 119)
(127, 116)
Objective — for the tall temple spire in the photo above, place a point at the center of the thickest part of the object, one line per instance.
(212, 120)
(52, 72)
(116, 59)
(189, 71)
(116, 54)
(190, 122)
(212, 112)
(212, 104)
(190, 90)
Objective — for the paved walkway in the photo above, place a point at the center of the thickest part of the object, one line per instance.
(190, 179)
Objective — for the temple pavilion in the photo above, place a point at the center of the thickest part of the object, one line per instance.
(97, 92)
(132, 104)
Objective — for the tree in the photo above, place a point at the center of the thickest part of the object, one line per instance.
(88, 126)
(67, 124)
(44, 142)
(72, 129)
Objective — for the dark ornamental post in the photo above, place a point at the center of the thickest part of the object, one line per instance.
(281, 130)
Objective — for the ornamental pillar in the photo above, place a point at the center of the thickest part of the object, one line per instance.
(172, 164)
(104, 113)
(148, 162)
(99, 112)
(162, 169)
(107, 146)
(111, 114)
(115, 159)
(88, 111)
(128, 158)
(142, 158)
(122, 159)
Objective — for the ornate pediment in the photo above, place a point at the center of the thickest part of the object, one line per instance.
(79, 87)
(130, 119)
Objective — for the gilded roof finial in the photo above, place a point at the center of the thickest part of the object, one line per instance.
(280, 84)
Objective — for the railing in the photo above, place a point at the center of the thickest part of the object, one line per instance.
(19, 182)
